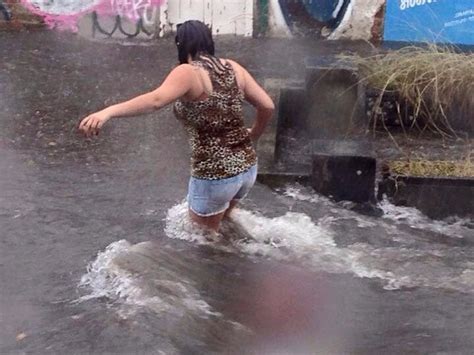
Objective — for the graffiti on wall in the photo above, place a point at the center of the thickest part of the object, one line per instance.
(143, 13)
(7, 15)
(119, 27)
(333, 19)
(313, 16)
(65, 14)
(144, 10)
(147, 18)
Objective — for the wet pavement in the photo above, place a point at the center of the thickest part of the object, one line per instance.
(96, 255)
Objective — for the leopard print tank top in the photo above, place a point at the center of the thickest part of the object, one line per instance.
(220, 143)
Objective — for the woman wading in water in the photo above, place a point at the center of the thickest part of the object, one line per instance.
(208, 93)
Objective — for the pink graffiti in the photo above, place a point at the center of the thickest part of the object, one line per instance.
(65, 14)
(136, 9)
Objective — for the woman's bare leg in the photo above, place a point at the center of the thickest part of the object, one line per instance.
(211, 222)
(232, 205)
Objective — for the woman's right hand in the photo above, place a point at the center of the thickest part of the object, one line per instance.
(92, 124)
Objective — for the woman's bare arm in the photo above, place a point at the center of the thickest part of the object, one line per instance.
(177, 84)
(257, 97)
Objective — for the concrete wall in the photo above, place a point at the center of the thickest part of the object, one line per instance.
(133, 18)
(360, 20)
(224, 16)
(332, 19)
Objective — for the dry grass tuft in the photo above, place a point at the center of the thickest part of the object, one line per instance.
(436, 82)
(426, 168)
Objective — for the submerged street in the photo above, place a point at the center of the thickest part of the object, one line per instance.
(96, 255)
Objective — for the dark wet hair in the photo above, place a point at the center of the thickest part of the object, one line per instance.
(193, 38)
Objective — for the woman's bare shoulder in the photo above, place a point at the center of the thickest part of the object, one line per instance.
(239, 71)
(183, 71)
(234, 64)
(183, 67)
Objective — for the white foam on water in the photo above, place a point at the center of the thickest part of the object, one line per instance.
(119, 273)
(179, 226)
(296, 238)
(454, 227)
(297, 192)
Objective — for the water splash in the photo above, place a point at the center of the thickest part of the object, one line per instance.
(454, 227)
(158, 278)
(140, 275)
(296, 238)
(407, 216)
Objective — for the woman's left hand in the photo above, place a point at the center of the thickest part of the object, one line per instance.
(252, 135)
(91, 125)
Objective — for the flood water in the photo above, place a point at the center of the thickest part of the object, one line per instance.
(97, 254)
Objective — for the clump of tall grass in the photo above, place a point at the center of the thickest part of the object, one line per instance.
(437, 83)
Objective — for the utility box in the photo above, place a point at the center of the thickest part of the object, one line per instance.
(343, 170)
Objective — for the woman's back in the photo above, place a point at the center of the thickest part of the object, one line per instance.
(209, 94)
(220, 143)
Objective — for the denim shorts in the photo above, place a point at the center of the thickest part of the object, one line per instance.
(210, 197)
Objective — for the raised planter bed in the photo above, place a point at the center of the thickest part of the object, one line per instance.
(437, 197)
(321, 141)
